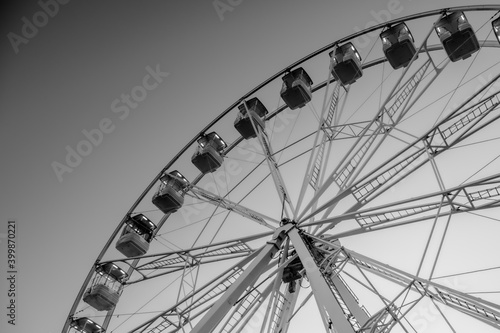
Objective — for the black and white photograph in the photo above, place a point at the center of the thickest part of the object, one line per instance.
(238, 166)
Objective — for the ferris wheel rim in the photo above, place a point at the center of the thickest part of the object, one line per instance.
(275, 76)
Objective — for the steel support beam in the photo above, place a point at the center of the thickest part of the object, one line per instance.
(222, 307)
(325, 298)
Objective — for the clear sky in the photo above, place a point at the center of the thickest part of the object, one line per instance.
(67, 78)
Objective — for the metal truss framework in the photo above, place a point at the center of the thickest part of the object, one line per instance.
(229, 301)
(323, 261)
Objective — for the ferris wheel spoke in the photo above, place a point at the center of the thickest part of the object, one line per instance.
(178, 261)
(247, 278)
(284, 292)
(223, 203)
(159, 264)
(203, 297)
(394, 311)
(324, 134)
(334, 298)
(475, 307)
(245, 309)
(274, 305)
(397, 104)
(271, 162)
(394, 109)
(456, 127)
(287, 303)
(476, 195)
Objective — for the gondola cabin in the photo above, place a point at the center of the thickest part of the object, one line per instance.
(170, 195)
(398, 45)
(136, 236)
(251, 108)
(208, 155)
(346, 63)
(106, 287)
(85, 325)
(496, 28)
(457, 36)
(296, 90)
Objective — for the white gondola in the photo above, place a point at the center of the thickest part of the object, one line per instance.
(208, 156)
(170, 195)
(85, 325)
(136, 236)
(106, 287)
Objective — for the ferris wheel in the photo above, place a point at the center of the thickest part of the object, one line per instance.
(356, 190)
